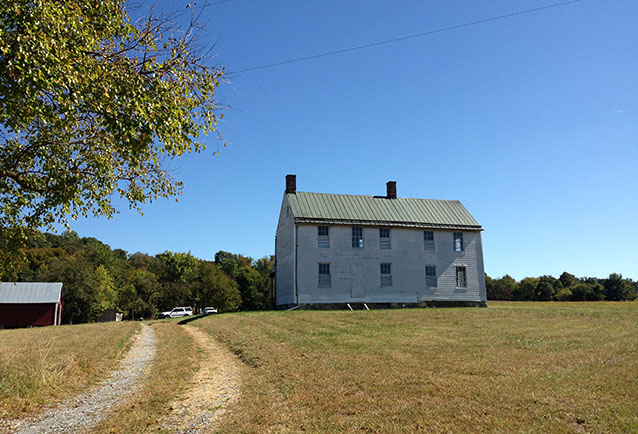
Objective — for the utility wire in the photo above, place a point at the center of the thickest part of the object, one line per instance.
(403, 38)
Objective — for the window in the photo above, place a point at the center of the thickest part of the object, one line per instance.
(324, 275)
(384, 238)
(461, 277)
(323, 236)
(428, 240)
(458, 241)
(386, 274)
(357, 238)
(430, 276)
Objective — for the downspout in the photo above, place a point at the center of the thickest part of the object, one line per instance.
(273, 305)
(55, 314)
(296, 249)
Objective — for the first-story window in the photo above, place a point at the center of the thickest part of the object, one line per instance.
(357, 238)
(324, 275)
(384, 238)
(428, 240)
(430, 276)
(461, 277)
(323, 236)
(386, 274)
(458, 241)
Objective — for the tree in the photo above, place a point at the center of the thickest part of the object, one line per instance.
(617, 288)
(587, 292)
(91, 107)
(547, 288)
(526, 289)
(502, 288)
(216, 288)
(567, 279)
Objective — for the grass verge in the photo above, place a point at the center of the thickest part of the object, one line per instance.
(559, 367)
(169, 375)
(41, 366)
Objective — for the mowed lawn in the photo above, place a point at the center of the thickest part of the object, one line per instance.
(560, 367)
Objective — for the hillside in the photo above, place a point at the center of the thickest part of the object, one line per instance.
(564, 367)
(510, 367)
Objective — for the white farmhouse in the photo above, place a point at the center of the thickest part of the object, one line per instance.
(333, 249)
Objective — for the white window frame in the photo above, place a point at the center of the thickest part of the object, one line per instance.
(429, 278)
(458, 241)
(428, 243)
(323, 241)
(385, 278)
(357, 241)
(385, 242)
(324, 280)
(459, 282)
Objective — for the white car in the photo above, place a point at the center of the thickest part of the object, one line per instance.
(209, 310)
(177, 312)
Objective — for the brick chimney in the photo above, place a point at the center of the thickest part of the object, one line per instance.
(291, 184)
(392, 189)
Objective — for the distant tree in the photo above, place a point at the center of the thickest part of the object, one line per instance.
(179, 267)
(215, 288)
(546, 288)
(231, 262)
(565, 294)
(499, 289)
(490, 288)
(92, 105)
(101, 291)
(138, 296)
(526, 289)
(567, 279)
(265, 267)
(587, 292)
(616, 287)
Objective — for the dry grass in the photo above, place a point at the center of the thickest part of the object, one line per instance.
(531, 367)
(170, 373)
(40, 366)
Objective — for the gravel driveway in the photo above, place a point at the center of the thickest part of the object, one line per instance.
(84, 411)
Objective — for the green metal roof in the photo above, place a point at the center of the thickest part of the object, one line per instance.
(379, 210)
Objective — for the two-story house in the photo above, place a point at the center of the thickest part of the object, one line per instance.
(334, 249)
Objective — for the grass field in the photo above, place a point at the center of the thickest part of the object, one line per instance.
(39, 366)
(560, 367)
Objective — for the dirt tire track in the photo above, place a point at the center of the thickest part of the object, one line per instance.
(83, 411)
(213, 388)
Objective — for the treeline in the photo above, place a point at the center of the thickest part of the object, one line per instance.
(96, 278)
(566, 288)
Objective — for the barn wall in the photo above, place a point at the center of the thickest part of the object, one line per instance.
(355, 273)
(24, 315)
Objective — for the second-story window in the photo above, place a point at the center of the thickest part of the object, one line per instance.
(428, 240)
(386, 274)
(384, 238)
(323, 236)
(458, 241)
(357, 238)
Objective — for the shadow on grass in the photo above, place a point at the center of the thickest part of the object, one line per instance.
(190, 318)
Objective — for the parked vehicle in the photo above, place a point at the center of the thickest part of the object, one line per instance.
(209, 310)
(177, 312)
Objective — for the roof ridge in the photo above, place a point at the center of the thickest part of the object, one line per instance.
(373, 196)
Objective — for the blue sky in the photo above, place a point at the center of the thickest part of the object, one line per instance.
(530, 121)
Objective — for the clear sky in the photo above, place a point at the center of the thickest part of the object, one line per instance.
(530, 121)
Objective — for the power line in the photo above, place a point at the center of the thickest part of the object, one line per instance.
(403, 38)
